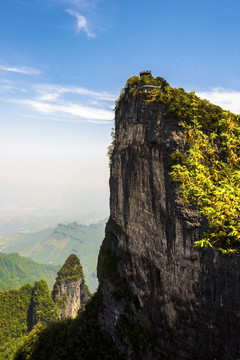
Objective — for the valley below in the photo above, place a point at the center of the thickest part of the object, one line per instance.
(51, 245)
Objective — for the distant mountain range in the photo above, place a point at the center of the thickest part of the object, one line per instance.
(54, 245)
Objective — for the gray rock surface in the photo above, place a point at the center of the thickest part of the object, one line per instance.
(69, 292)
(162, 298)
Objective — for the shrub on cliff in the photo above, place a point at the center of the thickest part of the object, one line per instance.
(210, 178)
(209, 172)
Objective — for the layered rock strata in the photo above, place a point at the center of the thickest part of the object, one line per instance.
(162, 299)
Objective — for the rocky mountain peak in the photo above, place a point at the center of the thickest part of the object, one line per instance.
(70, 292)
(162, 298)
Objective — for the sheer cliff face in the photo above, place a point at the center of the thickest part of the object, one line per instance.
(68, 299)
(161, 298)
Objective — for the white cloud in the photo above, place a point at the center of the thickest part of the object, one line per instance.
(80, 111)
(49, 92)
(227, 99)
(63, 103)
(82, 24)
(20, 70)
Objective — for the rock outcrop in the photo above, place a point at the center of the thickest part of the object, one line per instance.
(70, 292)
(162, 299)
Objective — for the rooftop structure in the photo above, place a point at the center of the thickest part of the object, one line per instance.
(145, 73)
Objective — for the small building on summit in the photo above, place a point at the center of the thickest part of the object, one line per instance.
(145, 73)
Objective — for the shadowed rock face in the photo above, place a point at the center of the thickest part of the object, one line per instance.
(162, 299)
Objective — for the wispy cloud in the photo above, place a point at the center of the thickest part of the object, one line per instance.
(227, 99)
(63, 103)
(20, 70)
(82, 24)
(76, 110)
(49, 92)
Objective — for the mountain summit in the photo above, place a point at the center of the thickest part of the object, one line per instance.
(70, 292)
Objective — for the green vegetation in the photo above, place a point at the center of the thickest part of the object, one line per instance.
(71, 270)
(71, 339)
(210, 178)
(179, 104)
(208, 169)
(54, 248)
(134, 85)
(79, 338)
(61, 302)
(45, 311)
(12, 347)
(14, 307)
(16, 271)
(20, 310)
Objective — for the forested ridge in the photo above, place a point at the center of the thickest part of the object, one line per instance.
(20, 311)
(32, 308)
(16, 270)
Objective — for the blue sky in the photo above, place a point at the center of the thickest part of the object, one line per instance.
(63, 63)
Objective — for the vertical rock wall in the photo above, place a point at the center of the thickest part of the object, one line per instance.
(162, 299)
(68, 298)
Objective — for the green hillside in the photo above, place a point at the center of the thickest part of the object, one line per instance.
(13, 314)
(56, 246)
(16, 271)
(20, 310)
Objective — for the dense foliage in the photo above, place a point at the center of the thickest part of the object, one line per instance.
(20, 310)
(210, 178)
(71, 270)
(179, 103)
(71, 339)
(14, 307)
(209, 168)
(135, 84)
(45, 311)
(16, 270)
